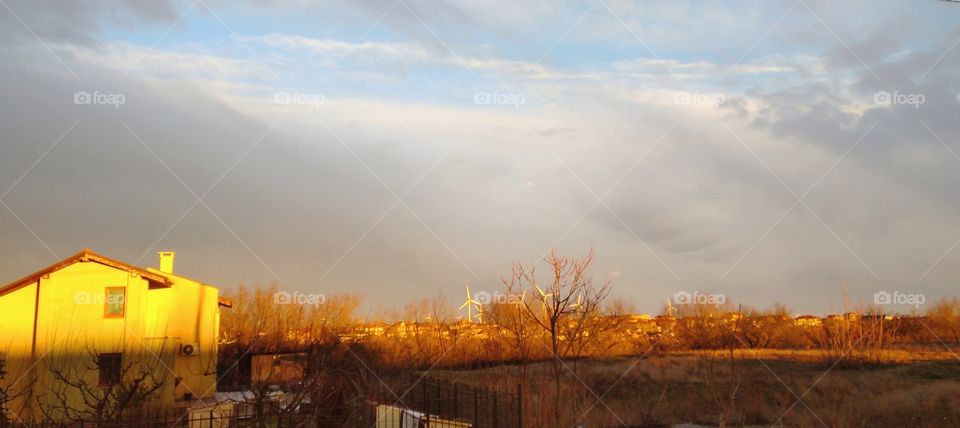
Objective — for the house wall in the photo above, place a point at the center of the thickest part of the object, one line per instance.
(188, 313)
(16, 342)
(71, 330)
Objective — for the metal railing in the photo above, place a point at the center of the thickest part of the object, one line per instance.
(427, 404)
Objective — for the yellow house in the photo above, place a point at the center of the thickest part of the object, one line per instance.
(89, 329)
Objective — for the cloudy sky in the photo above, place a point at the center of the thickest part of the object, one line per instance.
(773, 151)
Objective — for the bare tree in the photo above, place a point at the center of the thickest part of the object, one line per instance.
(8, 393)
(561, 306)
(768, 329)
(85, 389)
(513, 336)
(306, 341)
(597, 332)
(434, 334)
(945, 319)
(4, 393)
(858, 336)
(14, 393)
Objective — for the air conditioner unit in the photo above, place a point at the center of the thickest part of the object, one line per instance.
(189, 349)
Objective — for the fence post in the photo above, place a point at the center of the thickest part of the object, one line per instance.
(496, 414)
(476, 407)
(456, 400)
(423, 402)
(519, 405)
(426, 397)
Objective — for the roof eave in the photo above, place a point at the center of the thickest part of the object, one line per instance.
(84, 256)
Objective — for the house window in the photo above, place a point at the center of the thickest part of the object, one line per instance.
(109, 365)
(114, 302)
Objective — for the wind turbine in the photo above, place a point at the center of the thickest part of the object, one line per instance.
(523, 298)
(469, 305)
(543, 294)
(579, 303)
(543, 300)
(670, 308)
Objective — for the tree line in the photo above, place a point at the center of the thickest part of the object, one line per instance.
(557, 315)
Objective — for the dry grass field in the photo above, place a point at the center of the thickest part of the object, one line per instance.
(916, 388)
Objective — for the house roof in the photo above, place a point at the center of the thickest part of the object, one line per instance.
(86, 255)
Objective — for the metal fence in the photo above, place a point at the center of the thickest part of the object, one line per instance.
(457, 402)
(426, 404)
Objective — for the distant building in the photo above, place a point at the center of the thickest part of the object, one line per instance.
(95, 322)
(876, 317)
(807, 321)
(849, 316)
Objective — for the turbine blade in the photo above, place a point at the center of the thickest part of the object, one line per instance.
(539, 290)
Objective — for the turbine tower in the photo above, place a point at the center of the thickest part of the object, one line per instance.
(469, 305)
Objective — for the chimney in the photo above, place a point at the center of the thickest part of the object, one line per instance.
(166, 261)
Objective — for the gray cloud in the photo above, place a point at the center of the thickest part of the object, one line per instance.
(79, 22)
(299, 199)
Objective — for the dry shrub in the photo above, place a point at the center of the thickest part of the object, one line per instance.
(932, 404)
